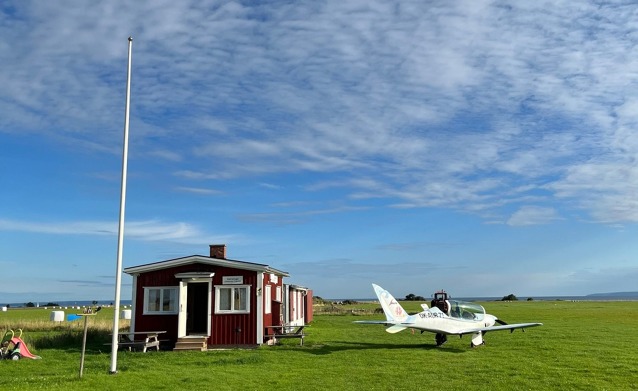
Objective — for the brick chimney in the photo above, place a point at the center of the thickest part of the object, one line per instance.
(218, 251)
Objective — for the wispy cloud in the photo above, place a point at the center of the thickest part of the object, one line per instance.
(285, 218)
(198, 190)
(151, 230)
(418, 103)
(533, 215)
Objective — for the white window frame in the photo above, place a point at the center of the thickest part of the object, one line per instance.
(267, 299)
(278, 293)
(162, 290)
(218, 288)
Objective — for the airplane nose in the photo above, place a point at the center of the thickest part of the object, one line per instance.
(490, 320)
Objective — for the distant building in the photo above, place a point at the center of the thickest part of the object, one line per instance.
(219, 300)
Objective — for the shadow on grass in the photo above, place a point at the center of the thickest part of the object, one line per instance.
(339, 346)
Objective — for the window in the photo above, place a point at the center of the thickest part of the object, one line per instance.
(160, 300)
(232, 299)
(278, 294)
(267, 299)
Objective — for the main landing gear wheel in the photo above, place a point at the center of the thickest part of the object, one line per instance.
(473, 346)
(440, 339)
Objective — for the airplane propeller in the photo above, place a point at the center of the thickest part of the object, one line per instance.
(502, 322)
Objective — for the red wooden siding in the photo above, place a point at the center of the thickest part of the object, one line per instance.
(308, 307)
(168, 323)
(224, 327)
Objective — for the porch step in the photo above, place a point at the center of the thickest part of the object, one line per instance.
(191, 343)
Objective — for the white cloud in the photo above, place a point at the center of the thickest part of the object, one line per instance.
(447, 105)
(199, 190)
(151, 230)
(532, 215)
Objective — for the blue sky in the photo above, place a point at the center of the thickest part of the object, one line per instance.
(480, 147)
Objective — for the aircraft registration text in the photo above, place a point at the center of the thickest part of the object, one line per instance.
(424, 315)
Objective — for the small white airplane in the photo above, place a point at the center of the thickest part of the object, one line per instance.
(446, 317)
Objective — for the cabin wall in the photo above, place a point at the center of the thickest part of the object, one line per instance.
(143, 322)
(226, 329)
(298, 305)
(235, 329)
(308, 307)
(275, 317)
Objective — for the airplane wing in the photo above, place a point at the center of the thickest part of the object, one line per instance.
(383, 322)
(393, 328)
(511, 327)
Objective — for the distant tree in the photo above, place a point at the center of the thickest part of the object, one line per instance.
(29, 304)
(318, 300)
(50, 304)
(530, 299)
(413, 297)
(510, 297)
(94, 302)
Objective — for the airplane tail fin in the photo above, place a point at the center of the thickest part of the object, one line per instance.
(391, 307)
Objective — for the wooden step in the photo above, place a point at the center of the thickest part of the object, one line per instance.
(191, 343)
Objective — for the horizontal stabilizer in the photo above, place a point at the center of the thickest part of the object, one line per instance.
(395, 329)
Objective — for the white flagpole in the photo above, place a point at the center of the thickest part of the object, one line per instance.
(120, 236)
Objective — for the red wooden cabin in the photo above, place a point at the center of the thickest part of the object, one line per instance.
(227, 301)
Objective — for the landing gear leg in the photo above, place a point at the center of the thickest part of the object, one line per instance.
(440, 339)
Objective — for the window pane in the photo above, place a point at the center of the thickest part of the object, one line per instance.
(240, 299)
(153, 299)
(224, 299)
(267, 300)
(168, 300)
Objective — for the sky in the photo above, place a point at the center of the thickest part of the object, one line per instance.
(481, 147)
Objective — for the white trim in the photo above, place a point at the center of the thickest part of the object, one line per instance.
(197, 278)
(260, 313)
(206, 261)
(161, 289)
(182, 314)
(133, 304)
(232, 288)
(267, 299)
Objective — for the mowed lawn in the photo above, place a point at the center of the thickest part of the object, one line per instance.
(582, 346)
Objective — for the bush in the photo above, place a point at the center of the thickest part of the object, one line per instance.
(510, 297)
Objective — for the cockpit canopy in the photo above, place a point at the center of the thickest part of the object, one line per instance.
(465, 310)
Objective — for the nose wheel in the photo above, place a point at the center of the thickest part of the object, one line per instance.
(472, 345)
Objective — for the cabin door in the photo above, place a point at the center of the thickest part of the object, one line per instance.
(197, 304)
(194, 308)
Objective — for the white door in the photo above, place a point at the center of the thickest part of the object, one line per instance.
(183, 300)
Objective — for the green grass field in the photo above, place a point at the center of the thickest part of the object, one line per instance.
(582, 346)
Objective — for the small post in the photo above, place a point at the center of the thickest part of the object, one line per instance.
(86, 327)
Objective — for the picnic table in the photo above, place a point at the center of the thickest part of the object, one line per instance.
(139, 339)
(285, 331)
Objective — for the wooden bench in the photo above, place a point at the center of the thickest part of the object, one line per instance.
(128, 340)
(275, 332)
